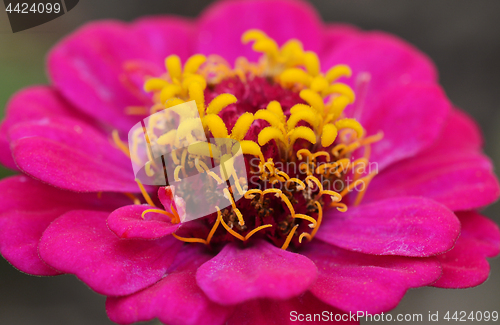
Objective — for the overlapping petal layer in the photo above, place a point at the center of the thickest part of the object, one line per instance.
(23, 221)
(406, 226)
(259, 271)
(79, 242)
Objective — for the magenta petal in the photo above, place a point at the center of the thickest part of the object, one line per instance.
(69, 154)
(334, 36)
(127, 222)
(79, 242)
(452, 172)
(466, 265)
(459, 180)
(31, 104)
(27, 207)
(221, 27)
(86, 67)
(262, 270)
(89, 66)
(460, 133)
(411, 118)
(379, 62)
(176, 299)
(404, 226)
(352, 281)
(165, 35)
(288, 312)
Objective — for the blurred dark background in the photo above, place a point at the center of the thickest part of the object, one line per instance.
(462, 37)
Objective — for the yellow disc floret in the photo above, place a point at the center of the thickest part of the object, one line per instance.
(314, 133)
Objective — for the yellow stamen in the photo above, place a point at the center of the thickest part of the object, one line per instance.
(175, 158)
(229, 230)
(145, 194)
(204, 149)
(269, 133)
(250, 194)
(214, 228)
(220, 102)
(313, 99)
(301, 187)
(229, 196)
(357, 182)
(342, 89)
(305, 234)
(315, 180)
(169, 91)
(252, 35)
(133, 198)
(170, 215)
(174, 211)
(320, 218)
(269, 117)
(338, 71)
(174, 68)
(319, 84)
(242, 126)
(321, 153)
(190, 240)
(336, 197)
(294, 75)
(342, 207)
(193, 63)
(289, 238)
(237, 183)
(196, 94)
(349, 123)
(311, 63)
(251, 148)
(308, 218)
(301, 152)
(119, 143)
(302, 132)
(328, 135)
(275, 107)
(216, 125)
(308, 116)
(256, 230)
(154, 84)
(136, 110)
(149, 171)
(176, 173)
(336, 150)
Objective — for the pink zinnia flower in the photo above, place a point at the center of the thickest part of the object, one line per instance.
(331, 96)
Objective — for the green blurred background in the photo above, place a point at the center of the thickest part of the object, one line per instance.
(462, 37)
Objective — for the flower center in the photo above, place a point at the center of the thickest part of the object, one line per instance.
(303, 155)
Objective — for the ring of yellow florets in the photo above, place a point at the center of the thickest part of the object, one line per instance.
(326, 138)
